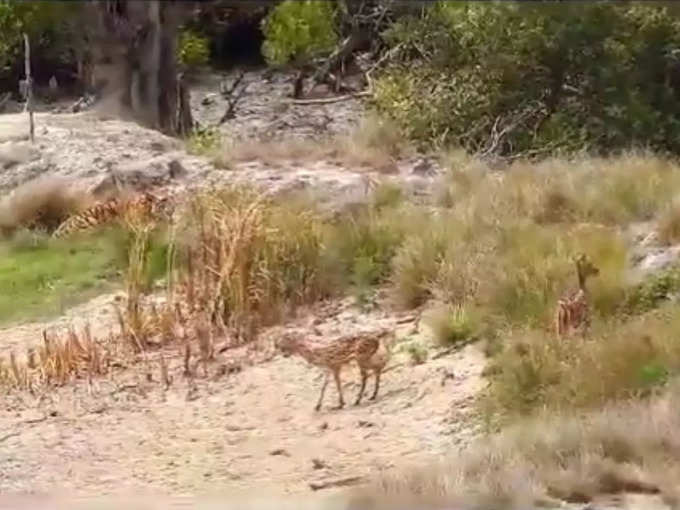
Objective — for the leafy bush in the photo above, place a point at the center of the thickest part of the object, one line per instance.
(51, 26)
(549, 76)
(204, 141)
(193, 50)
(299, 30)
(651, 292)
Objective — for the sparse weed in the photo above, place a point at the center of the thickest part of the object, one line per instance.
(416, 351)
(206, 141)
(452, 324)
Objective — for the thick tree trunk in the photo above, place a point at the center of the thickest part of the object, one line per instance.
(146, 68)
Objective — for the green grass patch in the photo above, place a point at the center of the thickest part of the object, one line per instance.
(41, 277)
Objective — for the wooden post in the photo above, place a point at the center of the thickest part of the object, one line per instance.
(29, 87)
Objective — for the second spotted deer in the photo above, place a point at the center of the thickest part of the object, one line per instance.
(369, 349)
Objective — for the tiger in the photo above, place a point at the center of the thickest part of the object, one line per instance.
(147, 205)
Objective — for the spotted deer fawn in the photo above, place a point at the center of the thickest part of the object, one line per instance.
(367, 348)
(573, 310)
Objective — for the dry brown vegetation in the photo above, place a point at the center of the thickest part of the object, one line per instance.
(629, 447)
(375, 145)
(41, 203)
(237, 262)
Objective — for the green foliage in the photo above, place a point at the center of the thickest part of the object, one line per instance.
(47, 24)
(204, 141)
(193, 49)
(550, 76)
(298, 30)
(655, 289)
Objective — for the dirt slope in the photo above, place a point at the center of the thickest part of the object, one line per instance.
(251, 432)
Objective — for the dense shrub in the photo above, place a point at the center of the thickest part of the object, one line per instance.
(299, 30)
(51, 27)
(541, 76)
(193, 49)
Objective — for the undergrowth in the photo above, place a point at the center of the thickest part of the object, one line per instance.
(627, 448)
(490, 262)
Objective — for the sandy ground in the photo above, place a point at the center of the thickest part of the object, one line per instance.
(252, 432)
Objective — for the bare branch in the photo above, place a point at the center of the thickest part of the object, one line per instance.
(29, 88)
(232, 100)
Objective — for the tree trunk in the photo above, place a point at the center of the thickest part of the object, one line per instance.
(146, 68)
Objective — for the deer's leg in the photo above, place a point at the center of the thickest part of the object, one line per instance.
(585, 327)
(323, 390)
(559, 322)
(567, 320)
(336, 376)
(377, 372)
(364, 377)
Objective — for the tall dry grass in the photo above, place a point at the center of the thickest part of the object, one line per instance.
(41, 203)
(375, 144)
(628, 447)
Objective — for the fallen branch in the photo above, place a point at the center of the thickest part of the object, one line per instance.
(455, 348)
(327, 100)
(228, 94)
(338, 482)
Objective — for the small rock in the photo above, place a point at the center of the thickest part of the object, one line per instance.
(318, 464)
(175, 169)
(323, 426)
(209, 99)
(279, 451)
(157, 146)
(446, 375)
(423, 167)
(365, 424)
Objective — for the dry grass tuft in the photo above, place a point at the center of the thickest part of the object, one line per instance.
(375, 145)
(669, 224)
(452, 324)
(62, 357)
(41, 203)
(630, 447)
